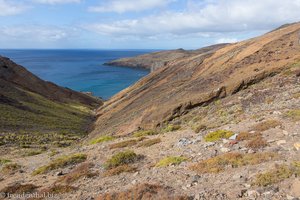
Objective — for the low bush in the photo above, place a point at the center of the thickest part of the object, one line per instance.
(219, 134)
(171, 128)
(122, 144)
(257, 143)
(60, 162)
(266, 125)
(122, 158)
(171, 160)
(102, 139)
(144, 133)
(219, 163)
(150, 142)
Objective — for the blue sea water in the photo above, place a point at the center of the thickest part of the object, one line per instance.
(80, 70)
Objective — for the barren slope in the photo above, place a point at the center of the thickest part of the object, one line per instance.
(197, 80)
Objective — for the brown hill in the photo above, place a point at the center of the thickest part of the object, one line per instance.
(156, 60)
(198, 80)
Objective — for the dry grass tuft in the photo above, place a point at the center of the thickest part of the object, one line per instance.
(10, 168)
(170, 161)
(144, 191)
(120, 169)
(19, 189)
(60, 162)
(83, 170)
(122, 158)
(219, 163)
(148, 143)
(219, 134)
(257, 143)
(278, 174)
(266, 125)
(123, 144)
(293, 115)
(247, 136)
(59, 189)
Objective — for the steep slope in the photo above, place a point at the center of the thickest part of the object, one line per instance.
(156, 60)
(198, 80)
(30, 106)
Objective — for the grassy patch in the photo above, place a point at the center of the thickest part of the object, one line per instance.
(126, 143)
(293, 115)
(277, 174)
(83, 170)
(120, 169)
(59, 189)
(33, 152)
(171, 128)
(150, 142)
(219, 134)
(4, 161)
(144, 133)
(219, 163)
(266, 125)
(10, 168)
(61, 162)
(122, 158)
(257, 143)
(102, 139)
(171, 160)
(199, 127)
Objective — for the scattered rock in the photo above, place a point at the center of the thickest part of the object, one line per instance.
(60, 173)
(209, 144)
(184, 142)
(295, 189)
(297, 146)
(233, 137)
(195, 178)
(280, 142)
(225, 150)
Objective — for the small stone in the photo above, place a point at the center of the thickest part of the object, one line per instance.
(196, 178)
(295, 189)
(251, 151)
(285, 132)
(277, 113)
(271, 141)
(297, 146)
(136, 173)
(247, 185)
(289, 197)
(280, 142)
(252, 193)
(184, 142)
(233, 137)
(225, 150)
(60, 173)
(209, 144)
(134, 182)
(233, 142)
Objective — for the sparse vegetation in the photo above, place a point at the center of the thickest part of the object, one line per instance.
(19, 189)
(257, 143)
(122, 144)
(278, 174)
(61, 162)
(120, 169)
(122, 158)
(4, 161)
(171, 128)
(83, 170)
(144, 133)
(59, 189)
(219, 163)
(219, 134)
(199, 127)
(102, 139)
(10, 168)
(150, 142)
(247, 136)
(266, 125)
(33, 152)
(293, 115)
(171, 160)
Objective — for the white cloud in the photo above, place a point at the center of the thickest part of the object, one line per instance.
(121, 6)
(53, 2)
(34, 33)
(226, 40)
(9, 8)
(212, 17)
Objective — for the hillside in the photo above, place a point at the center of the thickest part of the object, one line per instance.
(221, 124)
(156, 60)
(33, 110)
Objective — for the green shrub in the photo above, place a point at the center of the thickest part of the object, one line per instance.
(4, 161)
(121, 158)
(219, 134)
(171, 160)
(102, 139)
(60, 162)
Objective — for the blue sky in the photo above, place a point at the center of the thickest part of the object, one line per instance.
(138, 24)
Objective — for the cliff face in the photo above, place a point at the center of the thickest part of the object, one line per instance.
(156, 60)
(197, 80)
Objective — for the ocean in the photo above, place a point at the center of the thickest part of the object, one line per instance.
(80, 70)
